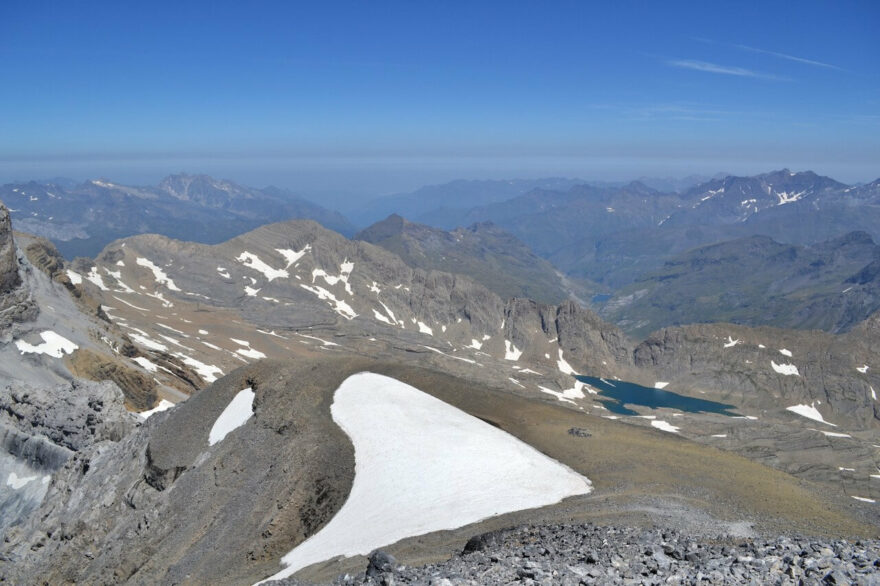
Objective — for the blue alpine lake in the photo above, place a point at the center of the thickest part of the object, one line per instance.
(618, 394)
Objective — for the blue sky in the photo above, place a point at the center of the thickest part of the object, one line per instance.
(373, 97)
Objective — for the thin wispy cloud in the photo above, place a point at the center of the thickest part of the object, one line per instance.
(708, 67)
(789, 57)
(777, 54)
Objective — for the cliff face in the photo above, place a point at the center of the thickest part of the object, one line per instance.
(9, 277)
(41, 428)
(15, 302)
(767, 368)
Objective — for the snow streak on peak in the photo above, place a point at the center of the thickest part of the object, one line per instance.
(239, 410)
(158, 273)
(252, 261)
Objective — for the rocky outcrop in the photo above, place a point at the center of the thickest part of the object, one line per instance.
(42, 428)
(140, 391)
(9, 278)
(73, 415)
(587, 554)
(15, 303)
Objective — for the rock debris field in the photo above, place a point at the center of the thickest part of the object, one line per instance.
(589, 554)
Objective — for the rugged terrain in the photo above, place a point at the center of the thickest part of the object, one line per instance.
(296, 289)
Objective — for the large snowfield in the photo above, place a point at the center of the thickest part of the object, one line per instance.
(422, 465)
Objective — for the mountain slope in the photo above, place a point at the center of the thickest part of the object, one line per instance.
(757, 281)
(483, 252)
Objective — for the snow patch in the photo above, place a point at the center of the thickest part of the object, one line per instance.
(564, 367)
(292, 256)
(162, 406)
(423, 328)
(785, 352)
(402, 437)
(18, 482)
(54, 345)
(344, 272)
(208, 372)
(511, 352)
(664, 426)
(468, 360)
(250, 353)
(252, 261)
(96, 278)
(382, 318)
(810, 412)
(132, 305)
(74, 277)
(576, 392)
(832, 433)
(145, 341)
(864, 499)
(731, 342)
(239, 410)
(339, 306)
(661, 385)
(146, 364)
(786, 197)
(158, 273)
(324, 342)
(785, 369)
(863, 369)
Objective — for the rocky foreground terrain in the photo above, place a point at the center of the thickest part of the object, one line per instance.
(570, 555)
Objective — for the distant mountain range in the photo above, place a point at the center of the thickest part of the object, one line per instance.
(82, 219)
(438, 200)
(613, 235)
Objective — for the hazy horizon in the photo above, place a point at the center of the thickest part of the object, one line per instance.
(364, 179)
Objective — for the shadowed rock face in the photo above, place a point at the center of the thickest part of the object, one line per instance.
(9, 278)
(41, 428)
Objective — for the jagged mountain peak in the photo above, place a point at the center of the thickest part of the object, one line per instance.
(200, 187)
